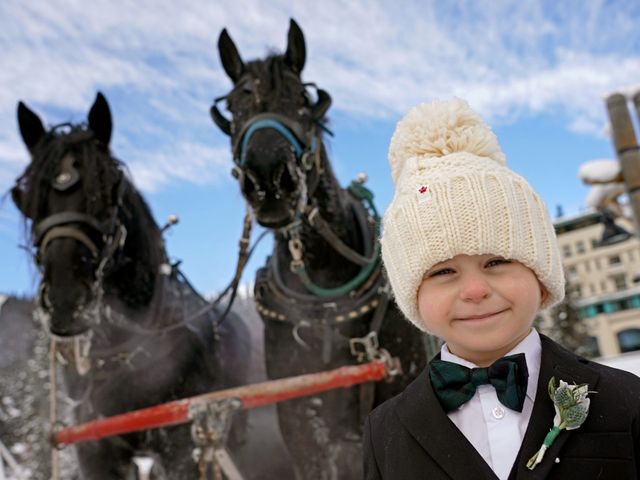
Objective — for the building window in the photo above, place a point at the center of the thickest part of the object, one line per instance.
(629, 340)
(572, 271)
(594, 243)
(619, 281)
(614, 260)
(580, 247)
(566, 251)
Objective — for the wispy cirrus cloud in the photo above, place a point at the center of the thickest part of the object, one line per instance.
(158, 64)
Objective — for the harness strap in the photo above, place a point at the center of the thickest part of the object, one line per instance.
(324, 229)
(63, 218)
(68, 232)
(367, 390)
(292, 131)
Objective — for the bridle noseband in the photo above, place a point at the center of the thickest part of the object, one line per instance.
(66, 225)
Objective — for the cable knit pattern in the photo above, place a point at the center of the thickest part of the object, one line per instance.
(455, 195)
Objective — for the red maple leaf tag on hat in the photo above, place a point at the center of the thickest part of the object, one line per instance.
(423, 192)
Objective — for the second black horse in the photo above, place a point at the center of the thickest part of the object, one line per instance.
(323, 285)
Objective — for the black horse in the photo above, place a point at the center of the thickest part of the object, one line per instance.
(323, 285)
(133, 331)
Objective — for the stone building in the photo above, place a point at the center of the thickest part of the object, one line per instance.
(605, 279)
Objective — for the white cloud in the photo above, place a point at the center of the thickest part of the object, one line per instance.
(188, 162)
(158, 63)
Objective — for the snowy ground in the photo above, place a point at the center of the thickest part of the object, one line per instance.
(24, 390)
(626, 361)
(24, 403)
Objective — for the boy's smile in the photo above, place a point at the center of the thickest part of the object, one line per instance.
(481, 305)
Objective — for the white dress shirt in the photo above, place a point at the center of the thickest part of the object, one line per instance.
(494, 430)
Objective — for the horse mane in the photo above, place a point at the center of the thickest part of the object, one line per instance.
(133, 275)
(133, 272)
(270, 72)
(101, 169)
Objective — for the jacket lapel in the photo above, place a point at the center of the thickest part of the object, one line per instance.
(556, 362)
(423, 417)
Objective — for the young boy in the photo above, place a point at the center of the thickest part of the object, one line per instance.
(471, 256)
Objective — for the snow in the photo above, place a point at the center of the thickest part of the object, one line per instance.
(629, 362)
(599, 194)
(599, 171)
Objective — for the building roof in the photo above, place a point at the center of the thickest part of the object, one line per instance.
(573, 222)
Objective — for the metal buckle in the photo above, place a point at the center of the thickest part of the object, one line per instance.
(295, 248)
(365, 348)
(209, 430)
(307, 160)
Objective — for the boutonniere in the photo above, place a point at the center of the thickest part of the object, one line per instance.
(572, 407)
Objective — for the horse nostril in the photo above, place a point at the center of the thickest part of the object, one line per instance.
(251, 187)
(287, 181)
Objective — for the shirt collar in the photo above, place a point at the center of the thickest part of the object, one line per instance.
(532, 350)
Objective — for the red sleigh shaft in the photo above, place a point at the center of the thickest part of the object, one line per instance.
(251, 396)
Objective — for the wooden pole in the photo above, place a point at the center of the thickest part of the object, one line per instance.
(626, 146)
(636, 102)
(251, 396)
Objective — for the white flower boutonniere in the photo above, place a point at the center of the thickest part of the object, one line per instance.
(572, 406)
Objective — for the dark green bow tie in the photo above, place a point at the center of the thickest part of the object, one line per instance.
(455, 384)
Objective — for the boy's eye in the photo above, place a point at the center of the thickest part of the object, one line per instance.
(497, 261)
(442, 271)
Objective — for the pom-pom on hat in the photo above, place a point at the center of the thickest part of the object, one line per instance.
(455, 195)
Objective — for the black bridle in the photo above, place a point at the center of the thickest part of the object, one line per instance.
(306, 169)
(82, 228)
(305, 143)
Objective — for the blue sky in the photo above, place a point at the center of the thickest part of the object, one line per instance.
(536, 71)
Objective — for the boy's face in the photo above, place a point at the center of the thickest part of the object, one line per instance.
(481, 305)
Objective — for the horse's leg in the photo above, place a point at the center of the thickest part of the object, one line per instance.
(321, 432)
(174, 447)
(304, 432)
(103, 460)
(307, 437)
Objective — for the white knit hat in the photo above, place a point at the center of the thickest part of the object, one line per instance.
(455, 195)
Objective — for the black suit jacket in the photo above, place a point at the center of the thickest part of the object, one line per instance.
(410, 437)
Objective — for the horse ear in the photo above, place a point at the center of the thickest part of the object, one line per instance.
(100, 119)
(31, 127)
(322, 105)
(296, 51)
(229, 56)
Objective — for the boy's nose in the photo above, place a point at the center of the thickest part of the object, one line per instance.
(474, 289)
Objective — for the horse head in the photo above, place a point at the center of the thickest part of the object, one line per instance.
(276, 129)
(71, 193)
